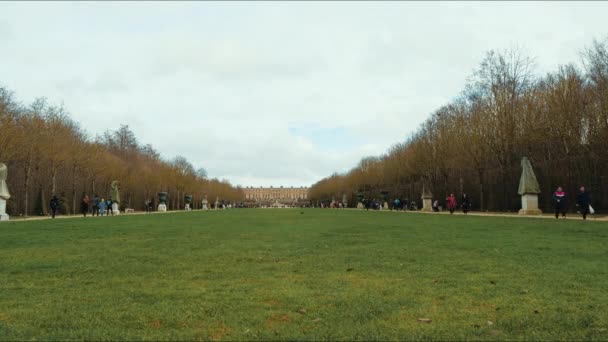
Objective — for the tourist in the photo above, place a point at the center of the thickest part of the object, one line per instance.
(466, 203)
(84, 204)
(436, 206)
(95, 205)
(54, 205)
(413, 206)
(560, 202)
(109, 208)
(148, 206)
(583, 201)
(451, 203)
(397, 204)
(102, 207)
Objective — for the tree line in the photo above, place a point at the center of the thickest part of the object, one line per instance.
(47, 153)
(475, 143)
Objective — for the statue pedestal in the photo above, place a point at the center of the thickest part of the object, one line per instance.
(360, 206)
(529, 205)
(187, 207)
(115, 209)
(3, 215)
(427, 204)
(385, 206)
(162, 207)
(205, 206)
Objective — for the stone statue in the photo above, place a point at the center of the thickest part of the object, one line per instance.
(528, 189)
(527, 183)
(162, 201)
(115, 198)
(188, 202)
(114, 192)
(4, 194)
(205, 203)
(427, 198)
(217, 202)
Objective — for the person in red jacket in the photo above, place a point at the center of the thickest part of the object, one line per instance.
(560, 202)
(451, 203)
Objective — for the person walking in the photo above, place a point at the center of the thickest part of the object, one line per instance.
(435, 206)
(451, 203)
(109, 207)
(583, 200)
(559, 200)
(102, 207)
(466, 203)
(54, 205)
(95, 206)
(84, 204)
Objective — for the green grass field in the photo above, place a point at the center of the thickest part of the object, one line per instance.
(255, 274)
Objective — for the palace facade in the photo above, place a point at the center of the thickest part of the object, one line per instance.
(272, 194)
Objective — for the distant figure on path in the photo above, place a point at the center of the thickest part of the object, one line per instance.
(95, 205)
(451, 202)
(559, 200)
(466, 203)
(148, 206)
(109, 207)
(583, 200)
(102, 207)
(84, 204)
(436, 206)
(54, 205)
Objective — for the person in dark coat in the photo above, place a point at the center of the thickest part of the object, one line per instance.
(559, 200)
(109, 207)
(84, 204)
(54, 205)
(95, 205)
(583, 200)
(466, 203)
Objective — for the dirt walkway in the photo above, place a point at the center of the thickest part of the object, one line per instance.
(571, 216)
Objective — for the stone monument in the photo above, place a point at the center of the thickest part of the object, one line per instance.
(162, 201)
(205, 203)
(427, 199)
(4, 194)
(115, 198)
(217, 202)
(528, 189)
(384, 199)
(344, 201)
(188, 201)
(360, 201)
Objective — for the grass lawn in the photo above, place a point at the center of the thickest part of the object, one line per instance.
(285, 274)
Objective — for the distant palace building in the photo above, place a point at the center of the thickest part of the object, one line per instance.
(281, 194)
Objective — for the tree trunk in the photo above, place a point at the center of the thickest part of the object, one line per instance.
(480, 172)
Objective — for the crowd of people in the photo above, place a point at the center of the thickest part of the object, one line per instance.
(96, 206)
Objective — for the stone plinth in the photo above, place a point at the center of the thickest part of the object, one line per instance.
(162, 207)
(360, 206)
(427, 204)
(187, 207)
(115, 209)
(385, 206)
(529, 205)
(3, 215)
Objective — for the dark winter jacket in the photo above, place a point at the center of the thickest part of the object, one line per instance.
(583, 199)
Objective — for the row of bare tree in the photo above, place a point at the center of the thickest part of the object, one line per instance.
(474, 144)
(49, 153)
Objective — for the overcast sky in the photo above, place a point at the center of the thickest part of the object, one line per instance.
(272, 93)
